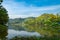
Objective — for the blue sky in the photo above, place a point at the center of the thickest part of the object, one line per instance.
(28, 8)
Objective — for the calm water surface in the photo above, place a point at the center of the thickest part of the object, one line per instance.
(12, 33)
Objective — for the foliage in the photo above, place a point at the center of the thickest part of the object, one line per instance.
(3, 15)
(3, 21)
(3, 31)
(46, 24)
(1, 1)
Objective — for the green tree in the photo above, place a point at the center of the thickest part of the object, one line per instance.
(3, 15)
(3, 21)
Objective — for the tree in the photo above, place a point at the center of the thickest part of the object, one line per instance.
(3, 21)
(3, 15)
(1, 1)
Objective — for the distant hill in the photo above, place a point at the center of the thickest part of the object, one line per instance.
(17, 23)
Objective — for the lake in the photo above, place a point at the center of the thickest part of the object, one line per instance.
(12, 33)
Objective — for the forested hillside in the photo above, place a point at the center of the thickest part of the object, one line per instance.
(45, 24)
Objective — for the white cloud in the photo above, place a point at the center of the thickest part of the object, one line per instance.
(16, 10)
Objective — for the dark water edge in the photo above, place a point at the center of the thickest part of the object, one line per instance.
(34, 38)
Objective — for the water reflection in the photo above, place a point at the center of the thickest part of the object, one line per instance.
(12, 33)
